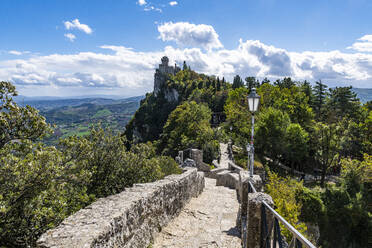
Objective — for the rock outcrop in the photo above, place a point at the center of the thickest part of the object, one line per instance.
(128, 219)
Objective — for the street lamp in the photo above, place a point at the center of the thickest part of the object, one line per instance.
(253, 102)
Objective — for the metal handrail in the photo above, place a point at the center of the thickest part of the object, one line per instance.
(297, 235)
(252, 188)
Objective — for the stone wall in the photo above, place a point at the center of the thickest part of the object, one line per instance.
(128, 219)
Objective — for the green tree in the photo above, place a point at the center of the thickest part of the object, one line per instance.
(320, 95)
(18, 123)
(296, 151)
(342, 102)
(307, 89)
(348, 207)
(251, 82)
(289, 100)
(270, 133)
(327, 147)
(238, 116)
(283, 192)
(187, 127)
(237, 82)
(285, 83)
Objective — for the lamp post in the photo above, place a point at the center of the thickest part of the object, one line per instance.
(253, 102)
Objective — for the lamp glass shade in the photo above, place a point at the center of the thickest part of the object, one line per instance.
(253, 101)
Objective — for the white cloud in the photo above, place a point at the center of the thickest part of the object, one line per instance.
(364, 44)
(75, 24)
(141, 2)
(70, 36)
(122, 70)
(18, 53)
(150, 8)
(187, 34)
(173, 3)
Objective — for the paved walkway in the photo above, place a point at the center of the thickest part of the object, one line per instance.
(206, 221)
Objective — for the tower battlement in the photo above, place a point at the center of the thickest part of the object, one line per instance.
(162, 72)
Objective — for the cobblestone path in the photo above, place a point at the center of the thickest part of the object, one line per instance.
(206, 221)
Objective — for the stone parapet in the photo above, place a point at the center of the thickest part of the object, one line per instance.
(254, 218)
(128, 219)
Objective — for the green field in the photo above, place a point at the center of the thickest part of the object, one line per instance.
(78, 120)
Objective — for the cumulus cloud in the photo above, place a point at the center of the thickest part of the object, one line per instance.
(187, 34)
(141, 2)
(75, 24)
(364, 44)
(122, 69)
(70, 37)
(173, 3)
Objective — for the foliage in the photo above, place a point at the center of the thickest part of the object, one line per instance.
(270, 133)
(342, 102)
(150, 118)
(238, 116)
(283, 192)
(327, 146)
(237, 82)
(319, 98)
(290, 100)
(18, 123)
(296, 149)
(148, 121)
(38, 189)
(188, 127)
(41, 185)
(252, 82)
(312, 207)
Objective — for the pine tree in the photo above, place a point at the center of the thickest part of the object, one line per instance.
(308, 90)
(265, 81)
(223, 83)
(343, 102)
(218, 84)
(320, 95)
(238, 82)
(251, 82)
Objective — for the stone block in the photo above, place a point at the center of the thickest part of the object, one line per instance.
(227, 179)
(254, 215)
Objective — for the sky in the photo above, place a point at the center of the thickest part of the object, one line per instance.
(90, 47)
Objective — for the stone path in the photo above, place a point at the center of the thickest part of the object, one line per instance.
(206, 221)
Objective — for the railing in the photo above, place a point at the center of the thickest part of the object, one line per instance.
(276, 240)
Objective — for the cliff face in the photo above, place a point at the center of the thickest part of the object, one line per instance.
(148, 121)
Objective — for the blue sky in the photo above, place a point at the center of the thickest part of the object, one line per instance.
(112, 47)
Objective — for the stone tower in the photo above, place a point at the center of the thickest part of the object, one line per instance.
(162, 73)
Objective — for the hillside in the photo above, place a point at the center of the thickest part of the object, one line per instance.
(76, 116)
(363, 94)
(46, 103)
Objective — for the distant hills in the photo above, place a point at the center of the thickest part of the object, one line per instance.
(76, 116)
(363, 94)
(48, 103)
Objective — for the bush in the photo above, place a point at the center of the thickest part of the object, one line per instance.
(40, 185)
(312, 207)
(283, 191)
